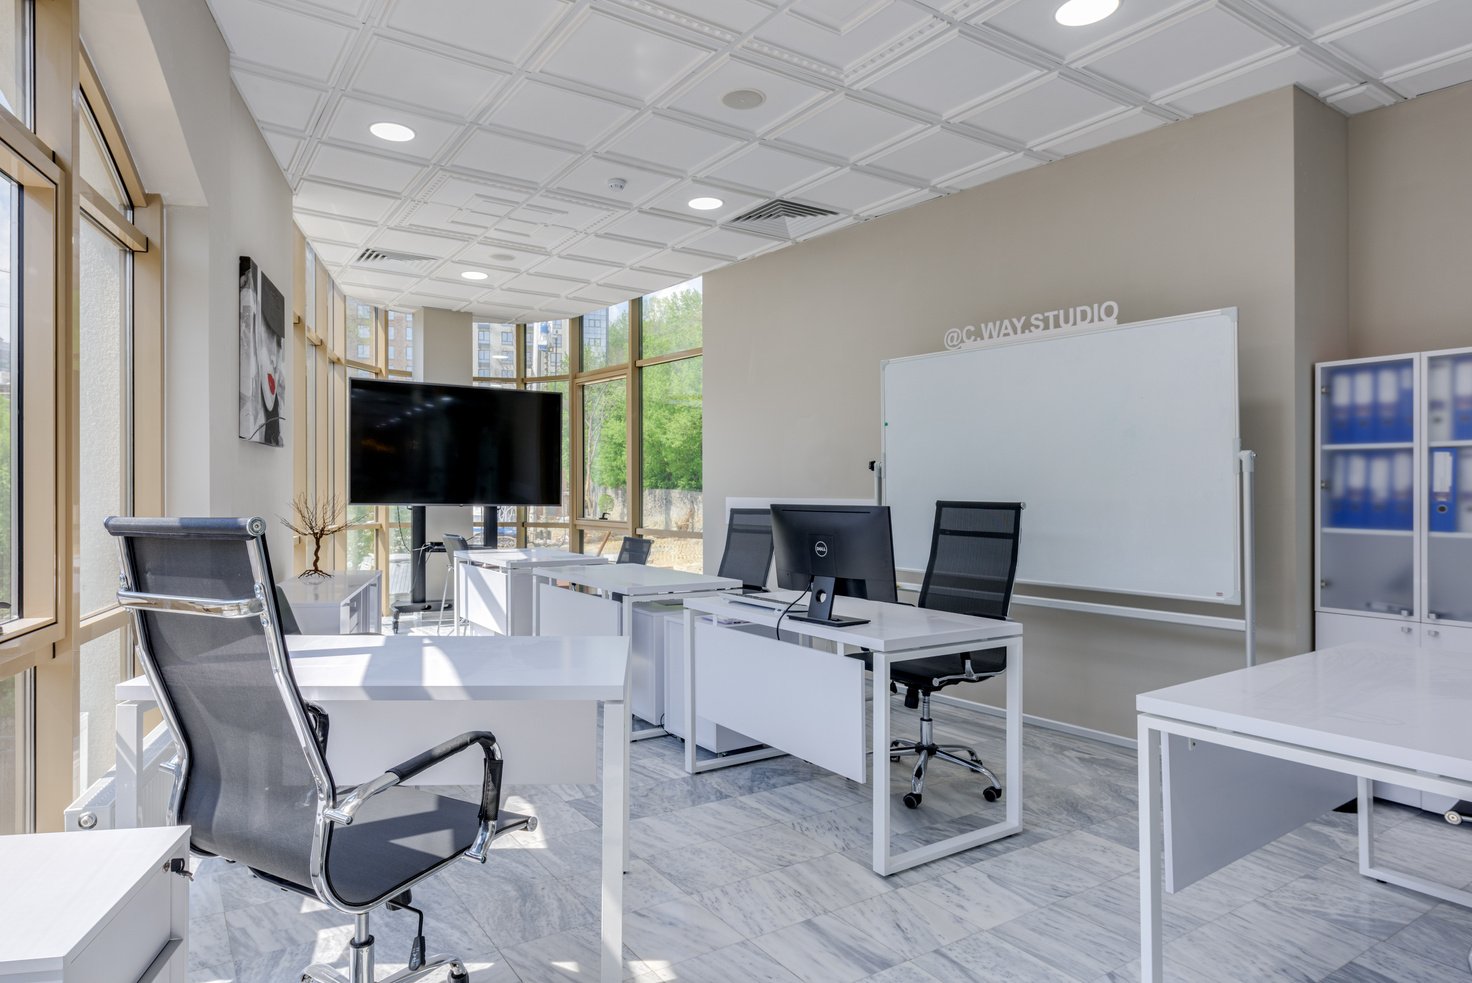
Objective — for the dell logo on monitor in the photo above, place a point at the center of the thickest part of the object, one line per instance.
(820, 548)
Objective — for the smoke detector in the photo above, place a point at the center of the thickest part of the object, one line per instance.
(617, 184)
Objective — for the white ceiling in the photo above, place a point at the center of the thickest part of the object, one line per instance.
(525, 109)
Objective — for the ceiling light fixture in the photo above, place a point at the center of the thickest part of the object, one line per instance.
(705, 204)
(1080, 13)
(473, 274)
(743, 98)
(392, 132)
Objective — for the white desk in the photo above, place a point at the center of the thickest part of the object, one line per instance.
(493, 587)
(346, 603)
(391, 696)
(97, 905)
(1231, 762)
(816, 711)
(617, 588)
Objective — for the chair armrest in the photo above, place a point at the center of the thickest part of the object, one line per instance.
(343, 810)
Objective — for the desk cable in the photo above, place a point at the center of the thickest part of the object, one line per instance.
(777, 628)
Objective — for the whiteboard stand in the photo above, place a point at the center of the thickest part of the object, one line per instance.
(1248, 460)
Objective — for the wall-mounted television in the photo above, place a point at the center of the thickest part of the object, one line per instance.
(412, 443)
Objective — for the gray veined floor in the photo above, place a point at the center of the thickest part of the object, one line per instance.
(759, 874)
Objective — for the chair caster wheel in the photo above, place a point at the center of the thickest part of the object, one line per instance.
(894, 757)
(991, 794)
(912, 800)
(459, 978)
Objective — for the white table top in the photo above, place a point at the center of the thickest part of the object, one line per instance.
(536, 556)
(328, 590)
(636, 579)
(891, 627)
(63, 886)
(1403, 706)
(468, 667)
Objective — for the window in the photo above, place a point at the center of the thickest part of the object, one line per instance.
(605, 450)
(362, 332)
(556, 513)
(16, 700)
(9, 403)
(546, 348)
(670, 422)
(495, 351)
(606, 338)
(15, 58)
(401, 342)
(671, 320)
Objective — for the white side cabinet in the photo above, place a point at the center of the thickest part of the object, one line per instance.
(346, 603)
(1393, 557)
(98, 905)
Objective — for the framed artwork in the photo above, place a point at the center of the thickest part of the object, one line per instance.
(262, 357)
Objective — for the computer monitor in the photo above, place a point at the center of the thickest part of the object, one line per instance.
(834, 550)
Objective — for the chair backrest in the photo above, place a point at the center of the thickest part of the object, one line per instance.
(973, 558)
(635, 549)
(454, 543)
(209, 637)
(748, 553)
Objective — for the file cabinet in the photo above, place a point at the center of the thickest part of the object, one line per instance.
(1393, 557)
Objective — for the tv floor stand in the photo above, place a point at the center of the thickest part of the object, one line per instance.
(419, 551)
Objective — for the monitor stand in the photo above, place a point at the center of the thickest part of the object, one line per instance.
(820, 607)
(419, 552)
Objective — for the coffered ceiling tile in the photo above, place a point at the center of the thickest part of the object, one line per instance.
(549, 111)
(1360, 99)
(769, 170)
(329, 199)
(1317, 16)
(364, 169)
(1411, 35)
(784, 96)
(532, 235)
(1107, 130)
(852, 191)
(497, 154)
(574, 269)
(936, 154)
(732, 15)
(1183, 50)
(273, 102)
(407, 73)
(433, 215)
(636, 282)
(678, 200)
(610, 249)
(1437, 75)
(418, 243)
(671, 144)
(602, 296)
(331, 253)
(504, 30)
(326, 227)
(284, 147)
(1011, 164)
(847, 128)
(898, 204)
(1041, 109)
(683, 263)
(357, 276)
(653, 228)
(872, 27)
(1034, 23)
(838, 16)
(353, 8)
(1290, 67)
(352, 117)
(458, 289)
(291, 41)
(548, 209)
(538, 284)
(612, 54)
(369, 294)
(501, 255)
(591, 177)
(952, 75)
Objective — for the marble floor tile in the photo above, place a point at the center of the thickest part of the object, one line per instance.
(779, 845)
(703, 866)
(760, 904)
(1116, 906)
(211, 974)
(519, 910)
(1389, 964)
(743, 962)
(1337, 893)
(1442, 935)
(574, 954)
(1034, 875)
(983, 958)
(827, 950)
(1295, 946)
(209, 940)
(1094, 855)
(907, 972)
(675, 931)
(833, 881)
(285, 922)
(973, 896)
(908, 925)
(1090, 949)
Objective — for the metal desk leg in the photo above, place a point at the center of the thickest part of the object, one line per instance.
(1152, 855)
(615, 835)
(1014, 732)
(690, 750)
(879, 773)
(129, 744)
(1366, 807)
(536, 603)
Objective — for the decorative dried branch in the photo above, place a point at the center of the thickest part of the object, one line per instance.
(317, 519)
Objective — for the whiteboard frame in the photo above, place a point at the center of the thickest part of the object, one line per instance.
(1236, 596)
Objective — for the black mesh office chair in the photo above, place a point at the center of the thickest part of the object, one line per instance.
(748, 553)
(251, 777)
(972, 566)
(634, 549)
(454, 543)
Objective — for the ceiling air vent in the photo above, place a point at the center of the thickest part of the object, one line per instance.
(780, 217)
(395, 262)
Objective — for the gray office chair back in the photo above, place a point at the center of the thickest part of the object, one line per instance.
(748, 553)
(250, 773)
(635, 549)
(455, 543)
(973, 558)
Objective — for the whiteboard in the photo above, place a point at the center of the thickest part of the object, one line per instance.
(1121, 441)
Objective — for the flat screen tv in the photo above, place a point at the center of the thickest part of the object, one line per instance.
(412, 443)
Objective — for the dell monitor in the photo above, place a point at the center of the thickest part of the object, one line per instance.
(834, 550)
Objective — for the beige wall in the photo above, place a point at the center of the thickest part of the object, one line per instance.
(1194, 216)
(1410, 229)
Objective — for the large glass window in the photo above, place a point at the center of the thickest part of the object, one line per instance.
(546, 348)
(362, 338)
(671, 320)
(96, 166)
(606, 338)
(556, 513)
(670, 449)
(15, 752)
(9, 402)
(400, 360)
(103, 661)
(605, 450)
(15, 58)
(494, 350)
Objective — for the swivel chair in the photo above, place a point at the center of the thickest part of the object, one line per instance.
(748, 553)
(454, 543)
(634, 549)
(251, 778)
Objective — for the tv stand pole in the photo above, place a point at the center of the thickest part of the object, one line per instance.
(419, 551)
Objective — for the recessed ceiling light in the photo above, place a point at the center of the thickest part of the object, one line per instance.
(392, 132)
(743, 98)
(473, 274)
(1079, 13)
(503, 257)
(705, 204)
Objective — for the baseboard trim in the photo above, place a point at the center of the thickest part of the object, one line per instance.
(1043, 722)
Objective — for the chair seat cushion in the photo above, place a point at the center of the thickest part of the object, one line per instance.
(396, 837)
(922, 673)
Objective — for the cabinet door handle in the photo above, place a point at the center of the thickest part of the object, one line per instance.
(1406, 629)
(1433, 632)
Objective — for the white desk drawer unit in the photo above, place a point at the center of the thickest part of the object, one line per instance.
(94, 906)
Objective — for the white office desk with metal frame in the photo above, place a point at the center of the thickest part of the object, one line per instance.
(493, 587)
(1231, 762)
(817, 710)
(388, 696)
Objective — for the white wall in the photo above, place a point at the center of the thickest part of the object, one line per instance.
(166, 71)
(444, 357)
